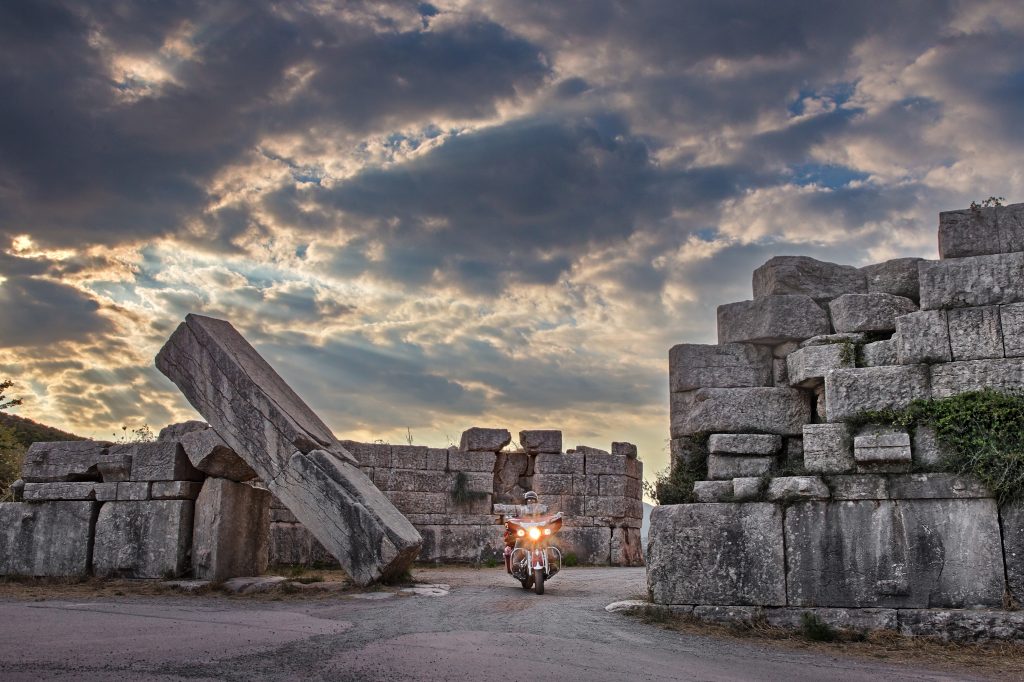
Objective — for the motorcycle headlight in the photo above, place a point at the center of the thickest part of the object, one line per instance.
(547, 531)
(534, 533)
(520, 533)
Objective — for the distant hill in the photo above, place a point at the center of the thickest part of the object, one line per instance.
(28, 431)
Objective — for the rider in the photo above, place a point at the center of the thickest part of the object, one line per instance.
(531, 507)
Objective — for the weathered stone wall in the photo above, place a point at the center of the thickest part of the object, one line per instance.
(146, 510)
(457, 497)
(802, 509)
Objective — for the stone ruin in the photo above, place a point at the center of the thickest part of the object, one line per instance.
(870, 534)
(269, 484)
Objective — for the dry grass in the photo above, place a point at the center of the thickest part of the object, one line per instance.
(998, 660)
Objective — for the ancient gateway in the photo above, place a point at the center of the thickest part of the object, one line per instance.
(802, 508)
(267, 483)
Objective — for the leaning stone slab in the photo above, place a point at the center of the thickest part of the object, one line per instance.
(771, 320)
(897, 277)
(781, 411)
(479, 439)
(1011, 517)
(808, 366)
(820, 280)
(954, 378)
(211, 455)
(868, 312)
(975, 333)
(722, 467)
(292, 451)
(922, 337)
(828, 449)
(761, 444)
(713, 491)
(50, 539)
(980, 231)
(1011, 320)
(730, 365)
(541, 440)
(796, 488)
(729, 554)
(848, 392)
(229, 537)
(143, 539)
(76, 460)
(972, 281)
(894, 553)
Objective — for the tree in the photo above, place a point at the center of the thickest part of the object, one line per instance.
(6, 402)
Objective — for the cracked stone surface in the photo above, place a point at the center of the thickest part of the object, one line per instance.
(269, 426)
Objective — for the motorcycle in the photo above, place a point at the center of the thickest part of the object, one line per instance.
(534, 559)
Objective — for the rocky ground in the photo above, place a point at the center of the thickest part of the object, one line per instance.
(458, 623)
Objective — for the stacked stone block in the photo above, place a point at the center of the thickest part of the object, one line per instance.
(142, 510)
(861, 517)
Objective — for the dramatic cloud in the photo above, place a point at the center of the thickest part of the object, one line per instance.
(436, 215)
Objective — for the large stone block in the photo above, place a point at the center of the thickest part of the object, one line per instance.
(412, 456)
(79, 490)
(882, 451)
(820, 280)
(828, 448)
(713, 491)
(77, 460)
(509, 469)
(771, 320)
(158, 461)
(472, 461)
(848, 392)
(730, 365)
(1011, 518)
(859, 487)
(143, 539)
(744, 444)
(369, 454)
(292, 545)
(608, 464)
(954, 378)
(1011, 321)
(808, 366)
(541, 440)
(935, 486)
(922, 338)
(972, 281)
(570, 463)
(788, 489)
(478, 439)
(175, 432)
(591, 545)
(724, 467)
(175, 490)
(980, 231)
(869, 312)
(898, 553)
(626, 547)
(230, 533)
(716, 554)
(263, 420)
(879, 353)
(975, 333)
(50, 539)
(459, 543)
(552, 484)
(783, 411)
(897, 277)
(211, 455)
(926, 449)
(962, 625)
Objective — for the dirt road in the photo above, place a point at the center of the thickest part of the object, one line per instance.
(485, 627)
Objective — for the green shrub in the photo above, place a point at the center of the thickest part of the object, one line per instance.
(982, 433)
(570, 559)
(815, 629)
(11, 454)
(675, 485)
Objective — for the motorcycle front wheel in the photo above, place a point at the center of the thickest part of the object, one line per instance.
(538, 580)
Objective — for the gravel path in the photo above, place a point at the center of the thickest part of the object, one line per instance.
(485, 627)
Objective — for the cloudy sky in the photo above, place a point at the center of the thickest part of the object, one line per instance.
(434, 216)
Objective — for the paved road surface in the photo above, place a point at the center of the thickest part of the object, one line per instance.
(487, 627)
